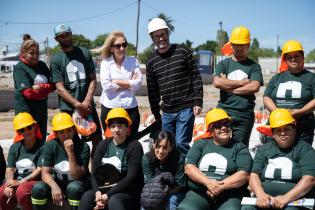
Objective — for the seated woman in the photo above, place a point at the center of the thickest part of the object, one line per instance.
(23, 168)
(283, 169)
(165, 158)
(217, 167)
(65, 163)
(125, 155)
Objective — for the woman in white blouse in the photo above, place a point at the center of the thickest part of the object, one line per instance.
(120, 77)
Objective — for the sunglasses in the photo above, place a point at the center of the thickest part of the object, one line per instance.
(27, 128)
(118, 46)
(219, 125)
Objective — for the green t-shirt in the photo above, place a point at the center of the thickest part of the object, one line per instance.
(150, 171)
(234, 70)
(25, 161)
(115, 155)
(54, 155)
(25, 77)
(218, 161)
(291, 91)
(73, 69)
(281, 169)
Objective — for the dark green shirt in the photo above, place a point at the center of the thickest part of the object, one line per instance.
(73, 69)
(291, 91)
(150, 171)
(115, 155)
(25, 77)
(281, 169)
(234, 70)
(218, 161)
(55, 156)
(24, 160)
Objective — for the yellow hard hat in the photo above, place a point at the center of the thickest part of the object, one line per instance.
(118, 113)
(280, 117)
(61, 121)
(292, 46)
(240, 35)
(22, 120)
(215, 115)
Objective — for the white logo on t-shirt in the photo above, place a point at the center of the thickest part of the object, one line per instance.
(282, 163)
(295, 87)
(237, 75)
(75, 71)
(115, 161)
(213, 159)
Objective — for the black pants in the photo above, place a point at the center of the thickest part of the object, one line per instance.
(121, 201)
(134, 116)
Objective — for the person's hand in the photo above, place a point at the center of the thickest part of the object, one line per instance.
(263, 201)
(197, 110)
(101, 200)
(56, 195)
(135, 76)
(68, 144)
(12, 183)
(279, 202)
(36, 87)
(223, 76)
(84, 109)
(8, 192)
(214, 188)
(295, 113)
(244, 82)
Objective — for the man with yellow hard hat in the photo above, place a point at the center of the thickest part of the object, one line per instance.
(238, 79)
(65, 163)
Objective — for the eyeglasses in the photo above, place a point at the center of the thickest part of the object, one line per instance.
(220, 124)
(118, 46)
(22, 130)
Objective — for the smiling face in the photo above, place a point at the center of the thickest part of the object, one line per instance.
(162, 149)
(119, 48)
(221, 131)
(284, 136)
(295, 61)
(161, 39)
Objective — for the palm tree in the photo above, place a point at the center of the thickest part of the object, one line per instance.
(168, 21)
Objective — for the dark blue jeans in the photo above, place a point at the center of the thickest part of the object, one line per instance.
(181, 124)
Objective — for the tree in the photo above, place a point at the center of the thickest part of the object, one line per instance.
(99, 40)
(80, 41)
(145, 54)
(168, 21)
(131, 50)
(222, 38)
(187, 44)
(209, 45)
(310, 57)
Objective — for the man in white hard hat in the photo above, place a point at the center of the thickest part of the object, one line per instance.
(173, 76)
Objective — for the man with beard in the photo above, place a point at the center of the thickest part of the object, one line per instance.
(238, 78)
(173, 76)
(73, 73)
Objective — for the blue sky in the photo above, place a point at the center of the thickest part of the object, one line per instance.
(194, 20)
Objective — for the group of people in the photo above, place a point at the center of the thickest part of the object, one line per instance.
(212, 174)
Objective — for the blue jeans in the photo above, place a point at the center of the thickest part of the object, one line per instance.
(175, 199)
(181, 124)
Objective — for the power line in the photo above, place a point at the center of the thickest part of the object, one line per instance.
(69, 21)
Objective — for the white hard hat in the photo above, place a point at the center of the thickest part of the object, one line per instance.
(156, 24)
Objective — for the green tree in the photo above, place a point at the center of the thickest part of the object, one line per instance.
(99, 40)
(310, 57)
(208, 45)
(187, 44)
(222, 38)
(81, 41)
(54, 50)
(131, 50)
(168, 21)
(145, 54)
(254, 50)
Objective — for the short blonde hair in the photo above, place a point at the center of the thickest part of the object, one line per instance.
(28, 43)
(105, 50)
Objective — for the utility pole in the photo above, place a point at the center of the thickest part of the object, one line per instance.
(137, 36)
(277, 52)
(220, 37)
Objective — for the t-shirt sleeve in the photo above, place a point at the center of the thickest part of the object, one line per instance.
(220, 68)
(21, 80)
(256, 74)
(57, 75)
(194, 153)
(244, 160)
(146, 169)
(48, 155)
(306, 161)
(259, 162)
(180, 177)
(270, 87)
(12, 156)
